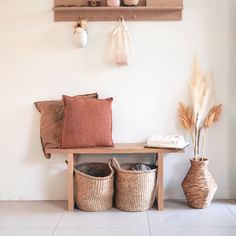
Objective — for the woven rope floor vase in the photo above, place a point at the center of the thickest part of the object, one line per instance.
(198, 185)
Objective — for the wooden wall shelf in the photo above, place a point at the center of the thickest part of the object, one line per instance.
(148, 10)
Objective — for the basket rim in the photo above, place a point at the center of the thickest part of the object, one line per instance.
(94, 177)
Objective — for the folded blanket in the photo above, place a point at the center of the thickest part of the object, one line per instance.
(141, 167)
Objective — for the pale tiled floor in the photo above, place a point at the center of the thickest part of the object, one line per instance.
(51, 218)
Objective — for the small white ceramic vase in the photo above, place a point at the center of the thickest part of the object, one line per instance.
(113, 3)
(83, 38)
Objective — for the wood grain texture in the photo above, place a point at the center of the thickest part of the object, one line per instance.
(70, 2)
(70, 182)
(85, 3)
(160, 179)
(114, 15)
(165, 3)
(119, 148)
(154, 10)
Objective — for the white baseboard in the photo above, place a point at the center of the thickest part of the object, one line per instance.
(225, 195)
(27, 196)
(62, 195)
(218, 195)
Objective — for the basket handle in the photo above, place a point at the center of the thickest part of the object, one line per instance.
(115, 163)
(110, 165)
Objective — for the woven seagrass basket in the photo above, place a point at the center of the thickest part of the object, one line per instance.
(135, 190)
(198, 185)
(94, 186)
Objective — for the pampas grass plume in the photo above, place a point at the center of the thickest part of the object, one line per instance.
(213, 116)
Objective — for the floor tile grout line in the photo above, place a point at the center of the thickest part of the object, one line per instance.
(226, 204)
(58, 222)
(26, 228)
(102, 227)
(193, 227)
(149, 227)
(128, 227)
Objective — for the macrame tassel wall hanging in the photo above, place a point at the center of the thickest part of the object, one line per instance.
(121, 47)
(81, 33)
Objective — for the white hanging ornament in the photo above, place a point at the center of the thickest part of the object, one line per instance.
(81, 33)
(121, 47)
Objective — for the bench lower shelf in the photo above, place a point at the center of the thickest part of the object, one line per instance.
(117, 149)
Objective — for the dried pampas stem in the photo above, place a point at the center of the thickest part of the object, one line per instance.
(201, 87)
(212, 117)
(186, 118)
(195, 118)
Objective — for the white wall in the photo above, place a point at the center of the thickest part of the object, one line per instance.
(39, 60)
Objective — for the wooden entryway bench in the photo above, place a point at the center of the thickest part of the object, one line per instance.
(117, 149)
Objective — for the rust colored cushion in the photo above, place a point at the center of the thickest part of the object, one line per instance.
(51, 121)
(87, 122)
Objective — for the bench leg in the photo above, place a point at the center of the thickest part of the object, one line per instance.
(160, 186)
(70, 184)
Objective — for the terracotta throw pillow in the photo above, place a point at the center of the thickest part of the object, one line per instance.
(87, 122)
(51, 121)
